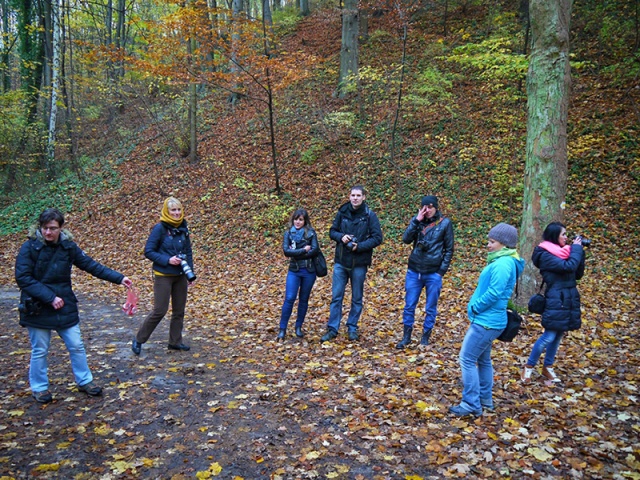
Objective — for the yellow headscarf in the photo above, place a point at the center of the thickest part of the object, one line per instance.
(164, 215)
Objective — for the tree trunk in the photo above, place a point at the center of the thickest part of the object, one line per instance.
(548, 83)
(193, 101)
(349, 50)
(121, 36)
(234, 97)
(305, 10)
(272, 129)
(6, 71)
(364, 26)
(267, 18)
(55, 76)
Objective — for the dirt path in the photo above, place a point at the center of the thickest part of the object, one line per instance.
(164, 414)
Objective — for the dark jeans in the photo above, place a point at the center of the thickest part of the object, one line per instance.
(342, 276)
(172, 288)
(297, 282)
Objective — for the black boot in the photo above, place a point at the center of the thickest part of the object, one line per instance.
(281, 334)
(406, 339)
(425, 337)
(299, 332)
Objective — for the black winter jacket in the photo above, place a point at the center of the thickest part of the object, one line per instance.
(432, 244)
(562, 307)
(362, 224)
(298, 256)
(43, 272)
(165, 242)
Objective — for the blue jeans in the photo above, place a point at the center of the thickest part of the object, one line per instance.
(341, 276)
(548, 342)
(477, 370)
(413, 284)
(39, 366)
(301, 281)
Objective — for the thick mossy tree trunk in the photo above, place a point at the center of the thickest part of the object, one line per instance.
(349, 51)
(548, 83)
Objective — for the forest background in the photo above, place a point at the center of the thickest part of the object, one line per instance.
(245, 111)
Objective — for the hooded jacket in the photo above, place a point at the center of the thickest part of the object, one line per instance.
(43, 272)
(361, 223)
(488, 304)
(562, 306)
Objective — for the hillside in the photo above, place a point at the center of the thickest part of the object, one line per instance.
(356, 410)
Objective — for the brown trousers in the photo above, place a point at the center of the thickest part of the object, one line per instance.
(165, 288)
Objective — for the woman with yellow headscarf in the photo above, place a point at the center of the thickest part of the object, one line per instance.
(169, 248)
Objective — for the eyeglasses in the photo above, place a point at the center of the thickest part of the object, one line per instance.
(50, 229)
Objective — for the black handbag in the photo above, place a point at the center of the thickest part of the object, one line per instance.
(321, 264)
(514, 321)
(537, 302)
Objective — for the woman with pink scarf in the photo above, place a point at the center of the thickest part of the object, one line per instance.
(560, 265)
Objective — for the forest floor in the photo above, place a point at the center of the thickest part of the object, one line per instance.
(241, 405)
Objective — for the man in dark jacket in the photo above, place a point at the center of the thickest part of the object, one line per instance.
(47, 301)
(356, 231)
(432, 236)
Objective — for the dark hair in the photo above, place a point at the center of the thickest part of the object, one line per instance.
(552, 232)
(358, 187)
(300, 212)
(49, 215)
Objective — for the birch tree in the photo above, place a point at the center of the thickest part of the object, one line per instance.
(55, 75)
(548, 83)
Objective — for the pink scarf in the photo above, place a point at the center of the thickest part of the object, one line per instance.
(557, 250)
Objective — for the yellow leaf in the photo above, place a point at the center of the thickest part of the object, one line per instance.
(63, 445)
(103, 430)
(540, 454)
(413, 477)
(48, 467)
(414, 374)
(333, 475)
(421, 405)
(16, 413)
(313, 455)
(588, 382)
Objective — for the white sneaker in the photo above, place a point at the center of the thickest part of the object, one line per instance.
(525, 376)
(550, 374)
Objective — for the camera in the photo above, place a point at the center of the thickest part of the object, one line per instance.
(30, 306)
(186, 269)
(586, 242)
(352, 243)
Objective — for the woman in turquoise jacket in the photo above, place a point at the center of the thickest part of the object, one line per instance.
(487, 312)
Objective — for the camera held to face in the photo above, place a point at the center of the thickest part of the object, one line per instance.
(352, 243)
(586, 242)
(30, 306)
(186, 269)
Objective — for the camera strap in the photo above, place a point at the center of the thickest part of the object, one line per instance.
(44, 270)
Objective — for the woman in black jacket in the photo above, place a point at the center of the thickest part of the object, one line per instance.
(47, 301)
(300, 245)
(560, 265)
(167, 247)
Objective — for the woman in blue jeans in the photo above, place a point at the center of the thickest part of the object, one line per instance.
(560, 265)
(487, 311)
(300, 244)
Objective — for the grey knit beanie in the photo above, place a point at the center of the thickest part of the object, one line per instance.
(505, 234)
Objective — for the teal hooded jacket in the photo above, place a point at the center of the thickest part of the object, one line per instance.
(488, 304)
